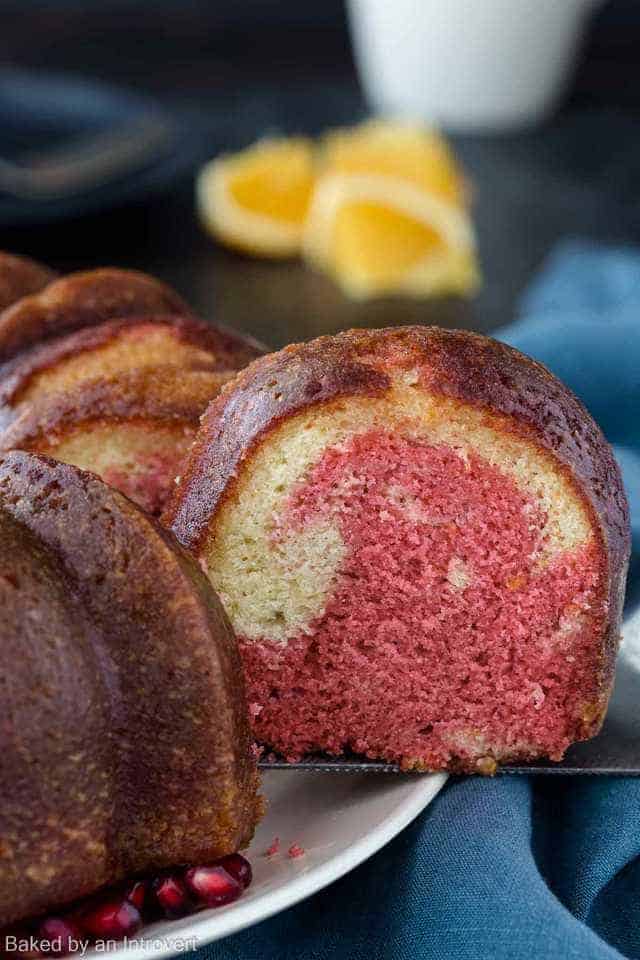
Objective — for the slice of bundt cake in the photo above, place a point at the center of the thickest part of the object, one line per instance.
(421, 539)
(82, 300)
(134, 429)
(114, 347)
(19, 277)
(124, 740)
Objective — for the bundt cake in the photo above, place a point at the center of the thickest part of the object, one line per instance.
(124, 741)
(19, 277)
(133, 429)
(421, 539)
(80, 300)
(114, 347)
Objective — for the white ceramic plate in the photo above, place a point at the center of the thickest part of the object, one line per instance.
(339, 820)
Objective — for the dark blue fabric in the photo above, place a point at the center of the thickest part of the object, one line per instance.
(520, 868)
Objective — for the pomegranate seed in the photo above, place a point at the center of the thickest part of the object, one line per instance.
(172, 896)
(274, 848)
(63, 934)
(111, 919)
(212, 886)
(238, 867)
(136, 893)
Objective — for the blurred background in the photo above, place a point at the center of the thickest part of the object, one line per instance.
(564, 165)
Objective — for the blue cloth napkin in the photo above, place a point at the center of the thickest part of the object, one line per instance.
(518, 868)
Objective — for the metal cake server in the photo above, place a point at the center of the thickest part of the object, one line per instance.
(614, 752)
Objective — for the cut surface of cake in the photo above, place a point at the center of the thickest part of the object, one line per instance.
(125, 740)
(114, 347)
(421, 538)
(21, 276)
(133, 429)
(81, 300)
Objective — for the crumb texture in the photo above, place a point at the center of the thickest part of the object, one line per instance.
(448, 628)
(140, 461)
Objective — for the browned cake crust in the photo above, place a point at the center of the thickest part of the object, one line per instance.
(156, 395)
(21, 276)
(460, 365)
(125, 743)
(82, 300)
(228, 350)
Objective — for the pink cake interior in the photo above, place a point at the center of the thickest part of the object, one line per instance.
(444, 633)
(150, 483)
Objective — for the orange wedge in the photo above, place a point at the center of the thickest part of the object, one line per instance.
(405, 151)
(257, 200)
(389, 214)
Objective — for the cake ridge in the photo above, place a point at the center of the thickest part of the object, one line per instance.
(164, 708)
(21, 276)
(83, 299)
(228, 350)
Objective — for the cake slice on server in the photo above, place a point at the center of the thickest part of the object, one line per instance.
(421, 539)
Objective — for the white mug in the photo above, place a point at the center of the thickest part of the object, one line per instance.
(467, 64)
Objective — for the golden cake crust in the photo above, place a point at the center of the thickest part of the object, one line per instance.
(218, 349)
(125, 744)
(80, 300)
(21, 276)
(515, 393)
(164, 395)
